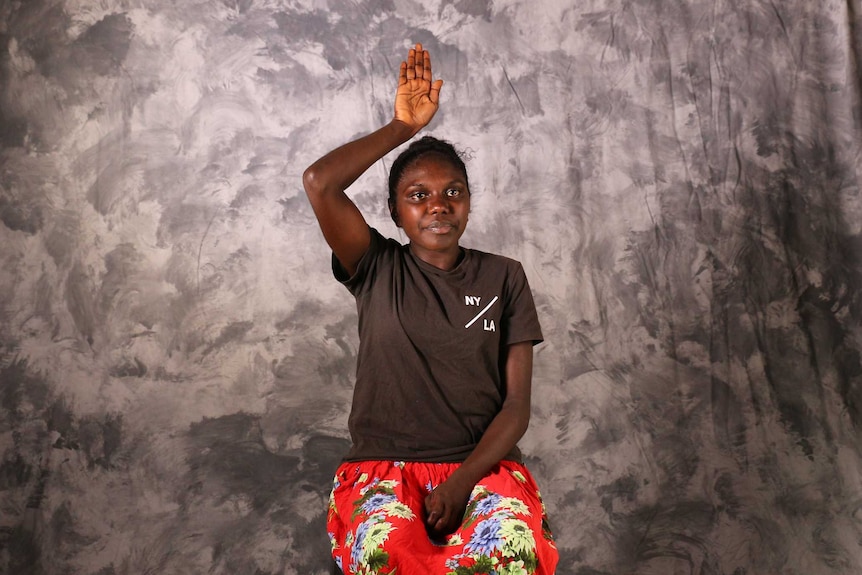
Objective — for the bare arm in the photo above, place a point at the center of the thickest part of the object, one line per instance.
(326, 180)
(446, 504)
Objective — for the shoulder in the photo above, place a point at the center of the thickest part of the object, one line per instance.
(381, 245)
(382, 251)
(502, 271)
(383, 241)
(496, 261)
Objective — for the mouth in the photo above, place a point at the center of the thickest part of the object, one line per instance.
(440, 227)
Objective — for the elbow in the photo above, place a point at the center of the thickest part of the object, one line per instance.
(318, 180)
(524, 416)
(524, 423)
(518, 415)
(311, 181)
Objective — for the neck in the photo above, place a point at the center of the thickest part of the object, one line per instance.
(444, 260)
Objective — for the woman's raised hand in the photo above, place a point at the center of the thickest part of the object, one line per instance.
(418, 96)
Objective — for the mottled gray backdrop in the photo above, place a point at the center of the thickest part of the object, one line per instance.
(679, 178)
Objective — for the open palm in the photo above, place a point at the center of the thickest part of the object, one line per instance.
(418, 97)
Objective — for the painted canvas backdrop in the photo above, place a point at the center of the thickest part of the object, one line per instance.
(679, 179)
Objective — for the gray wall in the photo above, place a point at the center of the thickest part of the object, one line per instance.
(680, 180)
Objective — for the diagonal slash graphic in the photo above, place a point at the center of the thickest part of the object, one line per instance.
(487, 307)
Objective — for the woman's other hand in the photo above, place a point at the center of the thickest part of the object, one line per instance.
(418, 95)
(445, 506)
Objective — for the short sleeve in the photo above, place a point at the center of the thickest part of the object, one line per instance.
(365, 267)
(520, 321)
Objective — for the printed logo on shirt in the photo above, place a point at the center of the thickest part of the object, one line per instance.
(487, 324)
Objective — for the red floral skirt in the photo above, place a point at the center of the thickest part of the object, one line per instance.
(376, 522)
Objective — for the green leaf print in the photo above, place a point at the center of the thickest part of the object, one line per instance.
(375, 538)
(483, 564)
(377, 560)
(513, 568)
(531, 562)
(515, 506)
(517, 538)
(454, 540)
(382, 487)
(396, 509)
(479, 493)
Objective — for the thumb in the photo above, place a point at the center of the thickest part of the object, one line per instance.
(434, 94)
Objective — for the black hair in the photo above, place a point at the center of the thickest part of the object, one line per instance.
(419, 148)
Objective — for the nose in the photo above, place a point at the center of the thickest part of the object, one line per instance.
(439, 203)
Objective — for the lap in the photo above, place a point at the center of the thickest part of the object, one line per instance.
(376, 521)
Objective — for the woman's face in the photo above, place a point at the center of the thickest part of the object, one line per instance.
(431, 206)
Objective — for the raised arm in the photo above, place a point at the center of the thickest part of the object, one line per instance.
(326, 180)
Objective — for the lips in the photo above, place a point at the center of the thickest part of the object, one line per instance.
(440, 227)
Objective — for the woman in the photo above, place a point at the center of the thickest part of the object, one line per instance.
(433, 482)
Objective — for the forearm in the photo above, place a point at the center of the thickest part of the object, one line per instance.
(445, 505)
(326, 180)
(502, 435)
(510, 424)
(337, 170)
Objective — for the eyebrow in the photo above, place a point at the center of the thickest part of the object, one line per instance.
(421, 184)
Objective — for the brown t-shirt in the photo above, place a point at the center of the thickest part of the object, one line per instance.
(428, 376)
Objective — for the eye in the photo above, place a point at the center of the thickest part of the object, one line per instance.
(416, 196)
(453, 192)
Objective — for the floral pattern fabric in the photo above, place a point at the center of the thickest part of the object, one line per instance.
(376, 522)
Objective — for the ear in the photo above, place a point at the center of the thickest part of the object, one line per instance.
(393, 213)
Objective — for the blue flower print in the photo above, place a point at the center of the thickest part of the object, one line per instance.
(367, 488)
(486, 538)
(428, 487)
(361, 532)
(377, 501)
(487, 504)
